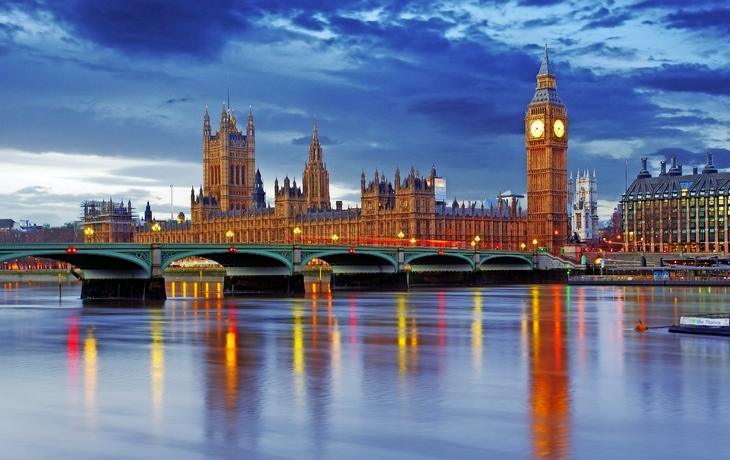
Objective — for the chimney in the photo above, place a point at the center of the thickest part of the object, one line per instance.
(664, 168)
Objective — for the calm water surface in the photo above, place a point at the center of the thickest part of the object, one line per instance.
(497, 372)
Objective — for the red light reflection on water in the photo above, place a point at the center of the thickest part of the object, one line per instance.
(72, 350)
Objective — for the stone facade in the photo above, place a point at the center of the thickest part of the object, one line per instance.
(583, 206)
(546, 139)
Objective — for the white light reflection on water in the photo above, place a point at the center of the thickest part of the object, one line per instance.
(498, 372)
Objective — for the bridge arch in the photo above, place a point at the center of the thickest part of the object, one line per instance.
(95, 263)
(342, 260)
(506, 262)
(435, 262)
(239, 263)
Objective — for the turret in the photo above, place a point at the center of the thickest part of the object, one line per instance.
(224, 118)
(206, 124)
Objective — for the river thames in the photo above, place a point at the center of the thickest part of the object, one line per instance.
(494, 372)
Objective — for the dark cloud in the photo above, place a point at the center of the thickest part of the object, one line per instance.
(471, 115)
(543, 22)
(605, 18)
(718, 18)
(604, 50)
(689, 78)
(675, 4)
(307, 21)
(177, 100)
(152, 27)
(541, 2)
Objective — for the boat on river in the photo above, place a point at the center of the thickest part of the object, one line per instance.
(705, 324)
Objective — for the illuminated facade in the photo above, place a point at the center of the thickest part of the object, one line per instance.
(231, 205)
(405, 210)
(546, 139)
(676, 212)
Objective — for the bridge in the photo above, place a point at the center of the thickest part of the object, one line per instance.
(146, 262)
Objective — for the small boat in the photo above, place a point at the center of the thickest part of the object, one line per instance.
(707, 324)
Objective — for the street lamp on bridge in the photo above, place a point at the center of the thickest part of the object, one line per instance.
(400, 236)
(156, 229)
(297, 232)
(334, 239)
(88, 231)
(229, 235)
(534, 246)
(413, 241)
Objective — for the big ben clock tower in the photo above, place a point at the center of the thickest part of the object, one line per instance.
(546, 139)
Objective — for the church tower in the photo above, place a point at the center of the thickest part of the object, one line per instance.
(546, 139)
(229, 161)
(316, 180)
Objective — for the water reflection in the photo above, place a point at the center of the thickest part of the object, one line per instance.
(499, 372)
(476, 331)
(157, 363)
(90, 373)
(232, 389)
(549, 382)
(72, 352)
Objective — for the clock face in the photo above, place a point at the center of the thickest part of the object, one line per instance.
(559, 128)
(537, 128)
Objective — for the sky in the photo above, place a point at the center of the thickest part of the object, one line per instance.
(105, 99)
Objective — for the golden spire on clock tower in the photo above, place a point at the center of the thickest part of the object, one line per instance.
(546, 140)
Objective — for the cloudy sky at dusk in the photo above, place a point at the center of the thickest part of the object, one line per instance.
(106, 98)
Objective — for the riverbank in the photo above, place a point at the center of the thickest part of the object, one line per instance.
(40, 276)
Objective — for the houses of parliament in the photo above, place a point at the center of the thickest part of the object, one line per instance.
(231, 205)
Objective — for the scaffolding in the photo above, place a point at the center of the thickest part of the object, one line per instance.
(108, 222)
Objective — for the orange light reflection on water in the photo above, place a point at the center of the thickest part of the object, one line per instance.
(549, 385)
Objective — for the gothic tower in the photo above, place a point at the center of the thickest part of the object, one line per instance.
(316, 180)
(546, 139)
(229, 161)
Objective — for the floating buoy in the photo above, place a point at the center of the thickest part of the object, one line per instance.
(640, 327)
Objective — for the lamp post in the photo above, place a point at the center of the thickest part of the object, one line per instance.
(413, 241)
(156, 229)
(88, 231)
(334, 239)
(400, 236)
(476, 240)
(534, 246)
(522, 246)
(297, 232)
(229, 235)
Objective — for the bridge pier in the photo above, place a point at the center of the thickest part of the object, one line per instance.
(369, 281)
(124, 289)
(254, 284)
(156, 262)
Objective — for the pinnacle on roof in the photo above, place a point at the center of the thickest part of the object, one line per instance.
(314, 132)
(546, 68)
